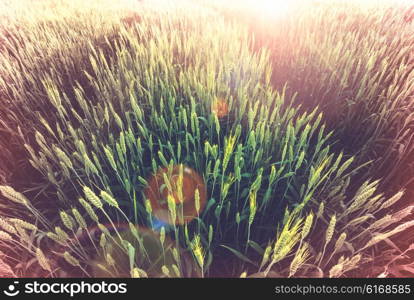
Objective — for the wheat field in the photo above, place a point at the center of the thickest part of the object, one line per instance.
(206, 139)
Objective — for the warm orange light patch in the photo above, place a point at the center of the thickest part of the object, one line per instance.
(183, 191)
(220, 108)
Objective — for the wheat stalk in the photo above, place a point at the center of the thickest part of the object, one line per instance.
(67, 220)
(109, 199)
(89, 209)
(43, 261)
(4, 236)
(12, 195)
(91, 196)
(78, 217)
(71, 259)
(7, 226)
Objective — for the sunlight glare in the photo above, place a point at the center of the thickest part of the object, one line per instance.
(269, 9)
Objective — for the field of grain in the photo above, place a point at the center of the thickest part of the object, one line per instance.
(206, 138)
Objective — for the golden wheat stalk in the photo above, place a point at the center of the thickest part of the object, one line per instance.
(43, 261)
(12, 195)
(4, 236)
(71, 259)
(22, 224)
(7, 226)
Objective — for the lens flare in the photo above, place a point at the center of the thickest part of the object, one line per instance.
(268, 9)
(177, 195)
(273, 8)
(220, 108)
